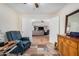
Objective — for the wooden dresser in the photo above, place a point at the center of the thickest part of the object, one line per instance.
(68, 46)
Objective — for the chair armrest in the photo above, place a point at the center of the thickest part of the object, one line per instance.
(17, 41)
(25, 39)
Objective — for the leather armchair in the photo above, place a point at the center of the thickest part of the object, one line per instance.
(23, 43)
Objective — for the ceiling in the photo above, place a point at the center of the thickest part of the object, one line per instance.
(29, 8)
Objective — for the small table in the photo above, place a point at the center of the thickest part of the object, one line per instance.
(8, 47)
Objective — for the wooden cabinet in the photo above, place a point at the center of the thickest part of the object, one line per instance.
(68, 46)
(60, 45)
(65, 49)
(72, 51)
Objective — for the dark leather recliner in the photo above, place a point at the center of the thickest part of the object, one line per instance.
(23, 43)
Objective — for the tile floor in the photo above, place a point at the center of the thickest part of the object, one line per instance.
(40, 47)
(41, 50)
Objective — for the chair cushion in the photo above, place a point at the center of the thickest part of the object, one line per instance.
(16, 35)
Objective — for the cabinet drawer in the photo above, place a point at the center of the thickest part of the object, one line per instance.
(72, 43)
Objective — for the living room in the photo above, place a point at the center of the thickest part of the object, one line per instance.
(19, 17)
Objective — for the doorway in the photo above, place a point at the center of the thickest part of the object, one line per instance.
(40, 32)
(35, 29)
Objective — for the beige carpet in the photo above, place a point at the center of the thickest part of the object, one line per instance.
(41, 50)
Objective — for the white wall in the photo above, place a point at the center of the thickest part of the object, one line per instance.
(26, 27)
(39, 23)
(66, 10)
(8, 19)
(54, 29)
